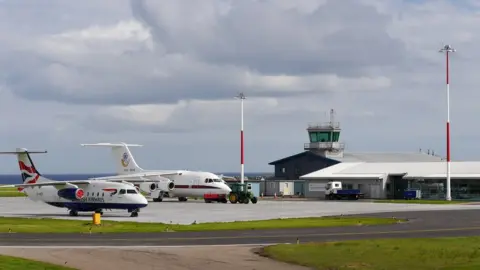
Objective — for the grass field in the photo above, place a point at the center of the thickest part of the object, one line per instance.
(34, 225)
(13, 263)
(391, 254)
(420, 201)
(11, 192)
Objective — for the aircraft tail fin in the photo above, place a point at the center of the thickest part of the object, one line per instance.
(28, 171)
(125, 163)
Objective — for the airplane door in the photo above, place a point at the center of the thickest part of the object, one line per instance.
(197, 181)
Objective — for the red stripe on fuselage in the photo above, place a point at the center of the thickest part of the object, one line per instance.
(196, 186)
(109, 189)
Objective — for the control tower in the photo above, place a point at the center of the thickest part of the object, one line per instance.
(324, 138)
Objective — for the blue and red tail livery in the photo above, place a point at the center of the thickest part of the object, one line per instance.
(29, 174)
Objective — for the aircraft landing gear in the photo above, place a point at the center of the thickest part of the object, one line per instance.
(182, 199)
(159, 198)
(73, 213)
(134, 213)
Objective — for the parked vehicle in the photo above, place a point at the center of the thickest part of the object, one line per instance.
(334, 191)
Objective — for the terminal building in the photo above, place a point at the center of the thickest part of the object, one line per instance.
(377, 175)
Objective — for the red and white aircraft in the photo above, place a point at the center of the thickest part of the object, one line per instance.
(181, 183)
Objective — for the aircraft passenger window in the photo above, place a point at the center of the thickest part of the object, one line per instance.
(88, 193)
(122, 191)
(103, 194)
(98, 194)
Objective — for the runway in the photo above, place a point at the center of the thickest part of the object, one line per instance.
(172, 211)
(421, 224)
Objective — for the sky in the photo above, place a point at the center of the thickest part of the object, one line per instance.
(164, 74)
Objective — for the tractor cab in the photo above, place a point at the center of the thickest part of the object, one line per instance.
(241, 193)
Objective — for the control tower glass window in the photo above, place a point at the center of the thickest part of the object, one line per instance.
(324, 136)
(320, 136)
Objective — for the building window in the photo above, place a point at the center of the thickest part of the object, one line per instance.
(283, 170)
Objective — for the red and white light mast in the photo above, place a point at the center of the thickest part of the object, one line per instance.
(447, 49)
(241, 96)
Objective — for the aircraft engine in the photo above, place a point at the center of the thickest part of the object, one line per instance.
(153, 186)
(167, 185)
(73, 194)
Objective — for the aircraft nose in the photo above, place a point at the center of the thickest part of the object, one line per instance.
(142, 201)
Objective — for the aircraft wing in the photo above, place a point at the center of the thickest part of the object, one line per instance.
(137, 177)
(51, 183)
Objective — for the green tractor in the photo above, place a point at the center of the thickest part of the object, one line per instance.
(241, 193)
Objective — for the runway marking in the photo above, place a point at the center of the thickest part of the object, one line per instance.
(258, 236)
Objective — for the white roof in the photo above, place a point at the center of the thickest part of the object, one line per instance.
(388, 157)
(462, 169)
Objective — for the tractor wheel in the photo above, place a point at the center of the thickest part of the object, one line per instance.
(233, 198)
(246, 200)
(254, 200)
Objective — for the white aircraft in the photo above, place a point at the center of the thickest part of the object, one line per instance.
(77, 195)
(186, 183)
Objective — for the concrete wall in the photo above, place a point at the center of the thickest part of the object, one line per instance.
(272, 187)
(299, 187)
(255, 188)
(372, 188)
(315, 188)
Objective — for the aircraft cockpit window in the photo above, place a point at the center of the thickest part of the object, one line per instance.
(122, 191)
(217, 180)
(210, 180)
(131, 191)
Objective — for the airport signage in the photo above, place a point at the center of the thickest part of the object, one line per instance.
(316, 186)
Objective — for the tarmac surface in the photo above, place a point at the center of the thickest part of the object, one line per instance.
(173, 211)
(221, 249)
(420, 224)
(161, 258)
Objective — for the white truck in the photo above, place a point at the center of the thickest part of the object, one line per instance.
(334, 191)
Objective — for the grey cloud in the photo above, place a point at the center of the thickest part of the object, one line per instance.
(342, 37)
(208, 60)
(52, 16)
(124, 85)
